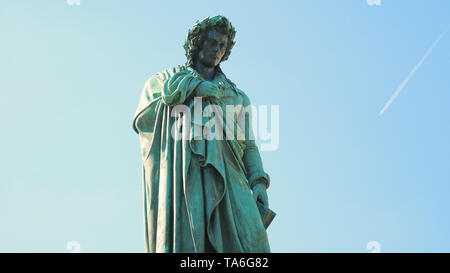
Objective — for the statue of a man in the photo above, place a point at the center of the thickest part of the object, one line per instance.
(200, 195)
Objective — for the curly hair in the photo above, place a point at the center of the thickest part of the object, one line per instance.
(197, 34)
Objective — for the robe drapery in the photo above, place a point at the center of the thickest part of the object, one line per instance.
(197, 192)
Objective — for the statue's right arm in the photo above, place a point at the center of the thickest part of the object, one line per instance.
(171, 87)
(177, 88)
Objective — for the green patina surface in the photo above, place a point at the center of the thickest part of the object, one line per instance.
(199, 194)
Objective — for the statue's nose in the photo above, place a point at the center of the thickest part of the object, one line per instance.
(216, 48)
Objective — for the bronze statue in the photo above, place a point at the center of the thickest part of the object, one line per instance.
(201, 194)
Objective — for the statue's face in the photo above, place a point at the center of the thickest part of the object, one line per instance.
(213, 49)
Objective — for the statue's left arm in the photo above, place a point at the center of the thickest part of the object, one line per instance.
(258, 179)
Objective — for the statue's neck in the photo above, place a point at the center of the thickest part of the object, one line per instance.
(208, 73)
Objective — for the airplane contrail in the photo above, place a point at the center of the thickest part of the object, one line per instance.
(400, 88)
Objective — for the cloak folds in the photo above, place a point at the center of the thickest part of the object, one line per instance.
(196, 192)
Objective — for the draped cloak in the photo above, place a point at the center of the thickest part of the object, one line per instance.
(197, 192)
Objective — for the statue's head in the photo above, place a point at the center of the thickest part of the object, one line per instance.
(210, 41)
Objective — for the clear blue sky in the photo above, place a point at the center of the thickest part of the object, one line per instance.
(71, 77)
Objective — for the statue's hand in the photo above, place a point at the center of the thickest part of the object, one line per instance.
(260, 193)
(207, 89)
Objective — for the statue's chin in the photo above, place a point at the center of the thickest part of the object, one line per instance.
(208, 64)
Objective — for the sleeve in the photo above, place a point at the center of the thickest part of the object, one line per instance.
(171, 86)
(177, 88)
(252, 159)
